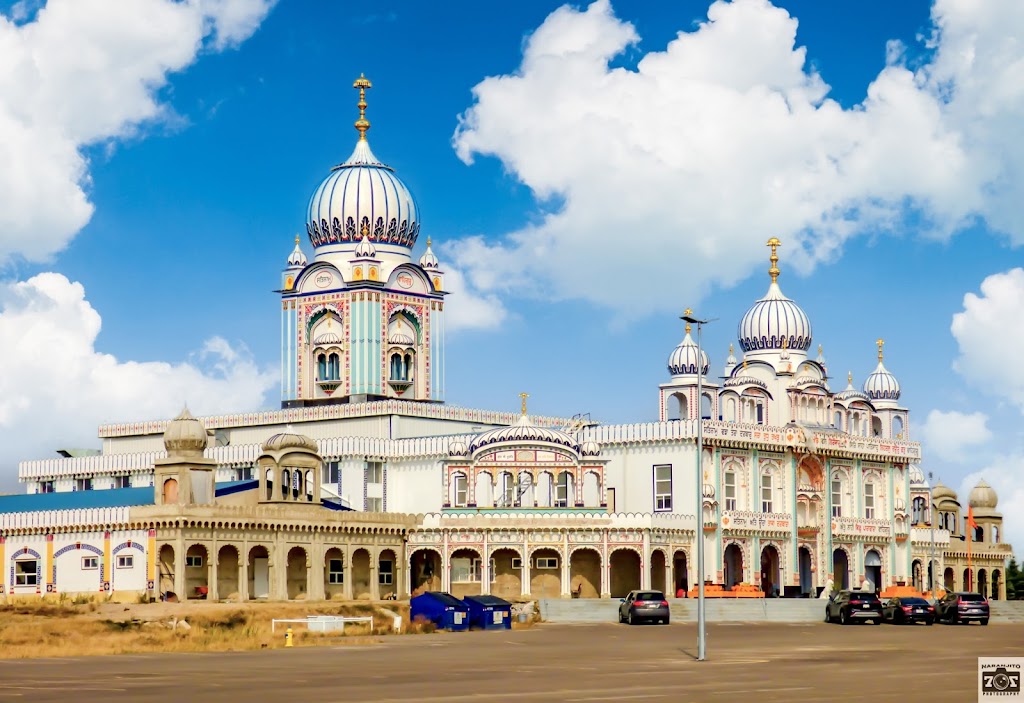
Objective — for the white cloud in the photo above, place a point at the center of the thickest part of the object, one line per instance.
(466, 308)
(56, 388)
(946, 435)
(81, 72)
(988, 331)
(1003, 474)
(672, 176)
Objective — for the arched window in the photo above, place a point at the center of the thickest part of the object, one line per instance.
(837, 495)
(333, 367)
(869, 500)
(876, 426)
(705, 407)
(285, 483)
(730, 410)
(919, 511)
(729, 484)
(396, 367)
(837, 420)
(309, 486)
(995, 534)
(270, 484)
(408, 368)
(897, 427)
(766, 493)
(760, 413)
(321, 367)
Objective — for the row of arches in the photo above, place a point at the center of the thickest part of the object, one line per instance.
(509, 489)
(987, 582)
(296, 485)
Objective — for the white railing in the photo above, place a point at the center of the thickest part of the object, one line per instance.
(323, 623)
(64, 518)
(924, 534)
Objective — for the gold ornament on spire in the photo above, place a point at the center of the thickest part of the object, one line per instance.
(362, 124)
(774, 243)
(730, 349)
(365, 231)
(523, 397)
(296, 240)
(849, 377)
(880, 343)
(819, 350)
(687, 312)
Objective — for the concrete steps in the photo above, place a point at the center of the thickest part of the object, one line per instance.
(1006, 610)
(685, 610)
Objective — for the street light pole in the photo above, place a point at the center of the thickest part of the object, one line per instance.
(699, 495)
(931, 519)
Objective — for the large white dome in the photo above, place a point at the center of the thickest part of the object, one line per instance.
(684, 359)
(774, 321)
(882, 385)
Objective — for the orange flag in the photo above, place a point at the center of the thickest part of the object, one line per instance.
(970, 517)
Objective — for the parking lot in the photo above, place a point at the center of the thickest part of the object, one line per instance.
(765, 662)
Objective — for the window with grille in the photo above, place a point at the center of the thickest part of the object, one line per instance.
(663, 488)
(336, 571)
(26, 572)
(385, 572)
(122, 482)
(730, 490)
(837, 498)
(547, 562)
(193, 561)
(869, 500)
(766, 493)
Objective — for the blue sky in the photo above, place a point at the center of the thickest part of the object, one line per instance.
(195, 203)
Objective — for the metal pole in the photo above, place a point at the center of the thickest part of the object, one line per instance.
(931, 519)
(700, 504)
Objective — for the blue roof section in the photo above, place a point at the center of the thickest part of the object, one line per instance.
(77, 500)
(229, 487)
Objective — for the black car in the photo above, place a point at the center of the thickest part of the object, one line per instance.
(904, 610)
(641, 606)
(854, 606)
(957, 608)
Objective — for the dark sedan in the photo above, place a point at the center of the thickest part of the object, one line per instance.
(644, 606)
(904, 611)
(854, 606)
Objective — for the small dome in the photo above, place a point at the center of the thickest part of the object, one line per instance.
(289, 439)
(941, 490)
(683, 361)
(850, 393)
(428, 260)
(882, 385)
(708, 491)
(899, 506)
(916, 475)
(328, 337)
(458, 448)
(365, 249)
(774, 321)
(185, 436)
(983, 496)
(522, 431)
(296, 259)
(401, 339)
(590, 449)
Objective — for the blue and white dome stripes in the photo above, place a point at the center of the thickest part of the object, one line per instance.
(882, 385)
(360, 195)
(522, 431)
(775, 321)
(683, 359)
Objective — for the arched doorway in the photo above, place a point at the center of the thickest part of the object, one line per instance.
(197, 572)
(546, 575)
(680, 577)
(426, 571)
(658, 572)
(625, 568)
(507, 576)
(968, 582)
(806, 575)
(873, 570)
(995, 584)
(983, 583)
(947, 579)
(259, 572)
(387, 574)
(840, 569)
(466, 573)
(585, 573)
(918, 575)
(733, 565)
(361, 574)
(227, 572)
(166, 567)
(297, 586)
(770, 581)
(170, 492)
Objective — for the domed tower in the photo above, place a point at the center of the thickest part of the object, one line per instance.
(983, 501)
(185, 477)
(679, 399)
(890, 420)
(363, 223)
(289, 469)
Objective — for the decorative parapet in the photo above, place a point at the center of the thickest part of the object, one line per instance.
(64, 520)
(336, 412)
(660, 521)
(291, 514)
(924, 535)
(759, 522)
(861, 527)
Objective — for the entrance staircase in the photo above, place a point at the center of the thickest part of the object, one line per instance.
(1006, 610)
(586, 610)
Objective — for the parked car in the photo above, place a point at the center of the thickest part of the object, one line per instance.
(961, 607)
(904, 610)
(640, 606)
(853, 606)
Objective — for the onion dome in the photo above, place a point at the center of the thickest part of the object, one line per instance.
(983, 496)
(400, 338)
(941, 490)
(522, 431)
(899, 505)
(365, 248)
(296, 259)
(590, 449)
(185, 436)
(774, 321)
(916, 475)
(428, 260)
(328, 337)
(289, 439)
(684, 359)
(458, 448)
(362, 195)
(882, 385)
(708, 491)
(851, 393)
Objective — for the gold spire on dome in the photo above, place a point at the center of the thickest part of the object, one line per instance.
(428, 241)
(687, 312)
(880, 343)
(296, 240)
(774, 243)
(819, 350)
(730, 348)
(365, 231)
(849, 377)
(362, 124)
(523, 397)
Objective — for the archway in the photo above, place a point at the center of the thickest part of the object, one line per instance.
(166, 567)
(770, 582)
(227, 572)
(361, 574)
(170, 492)
(917, 571)
(624, 571)
(968, 582)
(585, 573)
(591, 490)
(733, 565)
(658, 572)
(983, 583)
(806, 575)
(426, 571)
(680, 576)
(259, 573)
(506, 573)
(297, 583)
(947, 579)
(995, 584)
(334, 573)
(387, 576)
(197, 572)
(873, 570)
(466, 573)
(546, 574)
(840, 569)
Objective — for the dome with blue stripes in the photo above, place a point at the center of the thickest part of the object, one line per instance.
(774, 321)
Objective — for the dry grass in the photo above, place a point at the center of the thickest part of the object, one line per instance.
(49, 628)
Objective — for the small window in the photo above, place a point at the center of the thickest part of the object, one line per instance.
(517, 563)
(837, 498)
(122, 482)
(663, 488)
(245, 473)
(562, 490)
(374, 505)
(336, 571)
(83, 484)
(460, 490)
(193, 560)
(331, 474)
(730, 490)
(766, 493)
(126, 562)
(90, 562)
(46, 487)
(375, 472)
(869, 500)
(386, 572)
(463, 571)
(26, 572)
(547, 563)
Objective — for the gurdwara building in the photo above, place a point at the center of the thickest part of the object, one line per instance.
(366, 484)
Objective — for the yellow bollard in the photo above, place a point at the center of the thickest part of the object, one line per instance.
(288, 638)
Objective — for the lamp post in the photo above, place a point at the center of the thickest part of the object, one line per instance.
(699, 495)
(931, 519)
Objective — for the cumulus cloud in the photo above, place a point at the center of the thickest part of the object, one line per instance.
(946, 435)
(988, 329)
(673, 175)
(56, 387)
(1003, 474)
(467, 308)
(82, 72)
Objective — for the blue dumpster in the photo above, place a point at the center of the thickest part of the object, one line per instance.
(489, 612)
(443, 609)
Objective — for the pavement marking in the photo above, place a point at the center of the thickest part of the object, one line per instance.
(616, 698)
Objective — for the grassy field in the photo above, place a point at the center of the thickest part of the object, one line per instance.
(62, 628)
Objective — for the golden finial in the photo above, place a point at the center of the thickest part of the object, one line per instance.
(785, 342)
(362, 124)
(744, 363)
(819, 350)
(296, 240)
(774, 243)
(523, 397)
(880, 343)
(428, 241)
(730, 349)
(365, 231)
(687, 312)
(849, 377)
